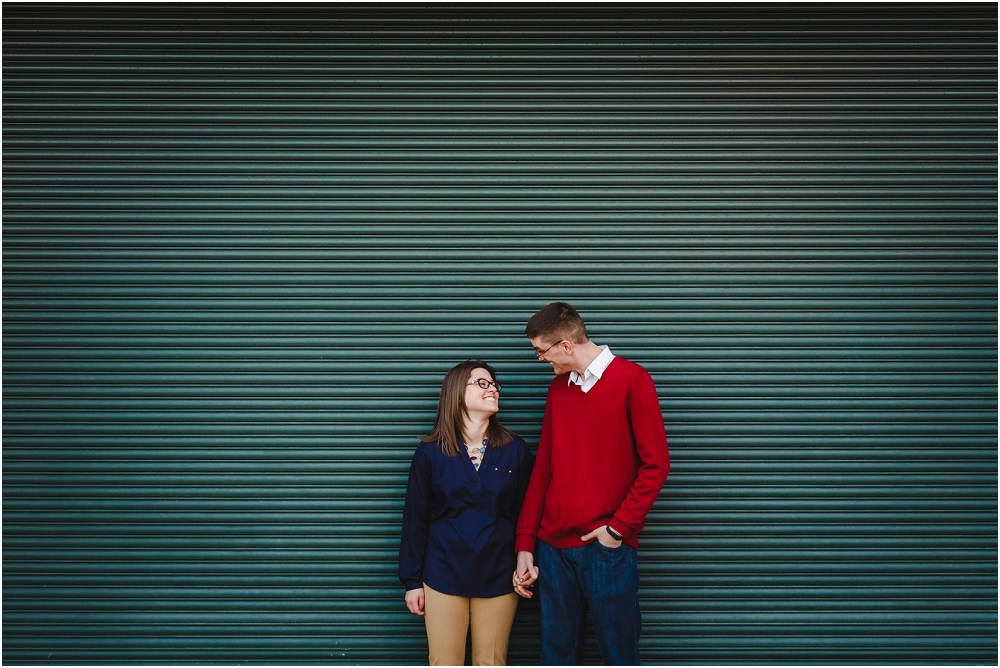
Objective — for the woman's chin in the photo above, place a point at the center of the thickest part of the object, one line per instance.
(484, 411)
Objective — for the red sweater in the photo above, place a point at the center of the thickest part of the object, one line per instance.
(602, 459)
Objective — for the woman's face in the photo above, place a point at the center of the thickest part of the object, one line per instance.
(478, 400)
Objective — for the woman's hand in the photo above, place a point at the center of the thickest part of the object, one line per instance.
(602, 536)
(415, 601)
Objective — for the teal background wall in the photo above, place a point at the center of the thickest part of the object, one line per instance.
(242, 246)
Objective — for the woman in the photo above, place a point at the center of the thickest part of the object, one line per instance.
(467, 480)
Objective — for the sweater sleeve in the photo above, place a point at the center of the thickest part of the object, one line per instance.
(417, 511)
(534, 498)
(654, 458)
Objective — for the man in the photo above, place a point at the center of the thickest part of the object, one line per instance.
(601, 462)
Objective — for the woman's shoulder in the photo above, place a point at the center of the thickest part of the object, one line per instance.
(517, 442)
(426, 449)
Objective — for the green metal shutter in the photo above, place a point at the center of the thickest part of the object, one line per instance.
(242, 246)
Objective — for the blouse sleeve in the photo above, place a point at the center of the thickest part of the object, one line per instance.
(416, 518)
(524, 466)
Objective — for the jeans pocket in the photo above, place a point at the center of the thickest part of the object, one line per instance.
(612, 550)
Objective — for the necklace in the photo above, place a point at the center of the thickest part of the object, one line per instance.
(477, 454)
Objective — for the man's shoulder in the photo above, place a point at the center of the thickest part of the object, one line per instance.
(627, 368)
(559, 382)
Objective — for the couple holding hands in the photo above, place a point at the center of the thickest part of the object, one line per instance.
(485, 521)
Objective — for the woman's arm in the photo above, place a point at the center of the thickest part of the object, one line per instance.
(416, 519)
(524, 465)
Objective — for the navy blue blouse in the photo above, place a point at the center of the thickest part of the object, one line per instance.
(458, 523)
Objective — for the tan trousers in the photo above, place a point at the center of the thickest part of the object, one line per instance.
(448, 618)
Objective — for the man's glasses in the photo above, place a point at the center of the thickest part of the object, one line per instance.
(541, 353)
(484, 384)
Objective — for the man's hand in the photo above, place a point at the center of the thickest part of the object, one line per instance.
(415, 601)
(602, 536)
(525, 574)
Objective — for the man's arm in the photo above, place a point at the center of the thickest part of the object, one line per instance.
(651, 446)
(534, 499)
(530, 517)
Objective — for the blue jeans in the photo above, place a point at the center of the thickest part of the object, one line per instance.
(606, 580)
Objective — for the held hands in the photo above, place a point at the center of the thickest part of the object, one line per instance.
(602, 536)
(525, 574)
(415, 601)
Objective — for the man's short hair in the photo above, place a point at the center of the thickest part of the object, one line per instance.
(557, 321)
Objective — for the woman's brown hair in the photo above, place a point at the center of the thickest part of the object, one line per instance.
(452, 411)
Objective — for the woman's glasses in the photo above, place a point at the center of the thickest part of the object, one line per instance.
(483, 383)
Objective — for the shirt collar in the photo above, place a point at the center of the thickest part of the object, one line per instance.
(595, 370)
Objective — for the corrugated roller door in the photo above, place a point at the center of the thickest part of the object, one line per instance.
(241, 248)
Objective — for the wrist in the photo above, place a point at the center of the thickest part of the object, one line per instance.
(524, 543)
(614, 534)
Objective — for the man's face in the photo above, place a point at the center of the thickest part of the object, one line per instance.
(555, 352)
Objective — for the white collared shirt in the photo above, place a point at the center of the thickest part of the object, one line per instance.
(593, 372)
